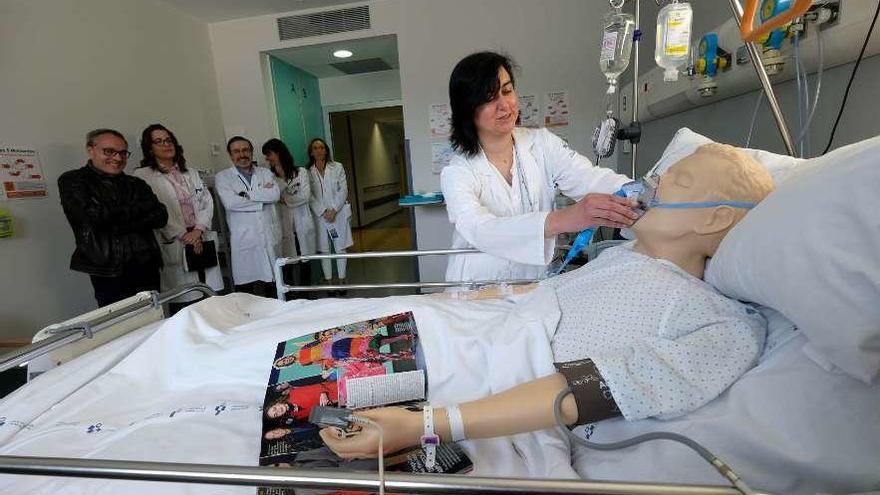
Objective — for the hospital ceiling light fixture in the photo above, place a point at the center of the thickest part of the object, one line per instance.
(342, 53)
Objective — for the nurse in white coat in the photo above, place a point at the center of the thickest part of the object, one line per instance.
(189, 204)
(500, 186)
(249, 194)
(297, 224)
(330, 205)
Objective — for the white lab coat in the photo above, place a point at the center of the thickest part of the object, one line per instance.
(254, 229)
(331, 191)
(174, 273)
(506, 222)
(296, 216)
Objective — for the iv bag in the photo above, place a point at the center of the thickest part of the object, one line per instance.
(617, 40)
(673, 43)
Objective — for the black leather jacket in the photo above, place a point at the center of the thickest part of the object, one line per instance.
(112, 217)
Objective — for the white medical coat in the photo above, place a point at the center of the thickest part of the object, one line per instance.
(254, 229)
(493, 216)
(174, 273)
(296, 216)
(331, 191)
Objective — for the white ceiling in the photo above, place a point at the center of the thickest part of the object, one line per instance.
(316, 59)
(224, 10)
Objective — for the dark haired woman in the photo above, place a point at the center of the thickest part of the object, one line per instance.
(329, 205)
(297, 224)
(189, 204)
(500, 186)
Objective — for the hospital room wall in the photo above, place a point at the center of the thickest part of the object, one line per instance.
(69, 67)
(728, 120)
(548, 39)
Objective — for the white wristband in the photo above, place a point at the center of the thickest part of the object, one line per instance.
(429, 440)
(456, 423)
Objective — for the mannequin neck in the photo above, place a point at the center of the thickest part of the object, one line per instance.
(687, 254)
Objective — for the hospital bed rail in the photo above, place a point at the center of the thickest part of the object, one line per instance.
(63, 335)
(281, 288)
(335, 480)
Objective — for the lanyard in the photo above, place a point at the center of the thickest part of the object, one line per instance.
(523, 186)
(246, 184)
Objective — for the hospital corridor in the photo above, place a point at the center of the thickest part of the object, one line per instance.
(439, 246)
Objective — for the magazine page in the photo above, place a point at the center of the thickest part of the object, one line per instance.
(363, 364)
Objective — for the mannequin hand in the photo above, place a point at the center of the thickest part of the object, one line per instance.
(593, 210)
(401, 429)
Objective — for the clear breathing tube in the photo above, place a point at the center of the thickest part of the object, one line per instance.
(711, 458)
(812, 109)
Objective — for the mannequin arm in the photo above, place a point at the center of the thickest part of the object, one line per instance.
(524, 408)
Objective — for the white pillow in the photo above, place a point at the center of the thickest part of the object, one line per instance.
(811, 250)
(686, 141)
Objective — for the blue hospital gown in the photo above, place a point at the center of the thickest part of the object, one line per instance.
(665, 341)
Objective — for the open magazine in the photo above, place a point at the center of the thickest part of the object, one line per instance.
(360, 365)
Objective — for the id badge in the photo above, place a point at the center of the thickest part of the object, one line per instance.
(333, 234)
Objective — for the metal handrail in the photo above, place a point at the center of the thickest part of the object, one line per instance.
(68, 334)
(281, 288)
(333, 480)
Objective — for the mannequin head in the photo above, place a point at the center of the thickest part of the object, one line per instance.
(714, 172)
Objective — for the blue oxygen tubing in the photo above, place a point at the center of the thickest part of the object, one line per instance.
(644, 191)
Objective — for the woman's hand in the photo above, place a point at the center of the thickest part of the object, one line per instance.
(400, 428)
(191, 237)
(329, 215)
(593, 210)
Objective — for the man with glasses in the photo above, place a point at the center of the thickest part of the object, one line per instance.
(112, 216)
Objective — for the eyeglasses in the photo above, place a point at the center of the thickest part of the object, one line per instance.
(110, 152)
(165, 142)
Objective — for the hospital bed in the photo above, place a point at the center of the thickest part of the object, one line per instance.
(173, 392)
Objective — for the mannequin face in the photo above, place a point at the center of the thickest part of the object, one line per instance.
(694, 178)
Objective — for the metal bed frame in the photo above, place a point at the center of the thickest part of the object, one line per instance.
(343, 480)
(281, 288)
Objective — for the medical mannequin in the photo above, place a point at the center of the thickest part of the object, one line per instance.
(671, 242)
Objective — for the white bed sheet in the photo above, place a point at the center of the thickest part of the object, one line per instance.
(190, 391)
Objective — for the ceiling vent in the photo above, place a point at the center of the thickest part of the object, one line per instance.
(322, 23)
(362, 66)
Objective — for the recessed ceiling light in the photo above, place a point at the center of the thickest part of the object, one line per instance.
(342, 53)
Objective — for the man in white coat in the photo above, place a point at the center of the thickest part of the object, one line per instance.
(249, 193)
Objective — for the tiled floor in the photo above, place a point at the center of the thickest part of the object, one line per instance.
(392, 233)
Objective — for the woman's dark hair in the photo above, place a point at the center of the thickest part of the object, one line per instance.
(309, 151)
(279, 148)
(147, 148)
(473, 82)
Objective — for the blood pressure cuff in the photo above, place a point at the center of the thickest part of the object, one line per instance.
(591, 394)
